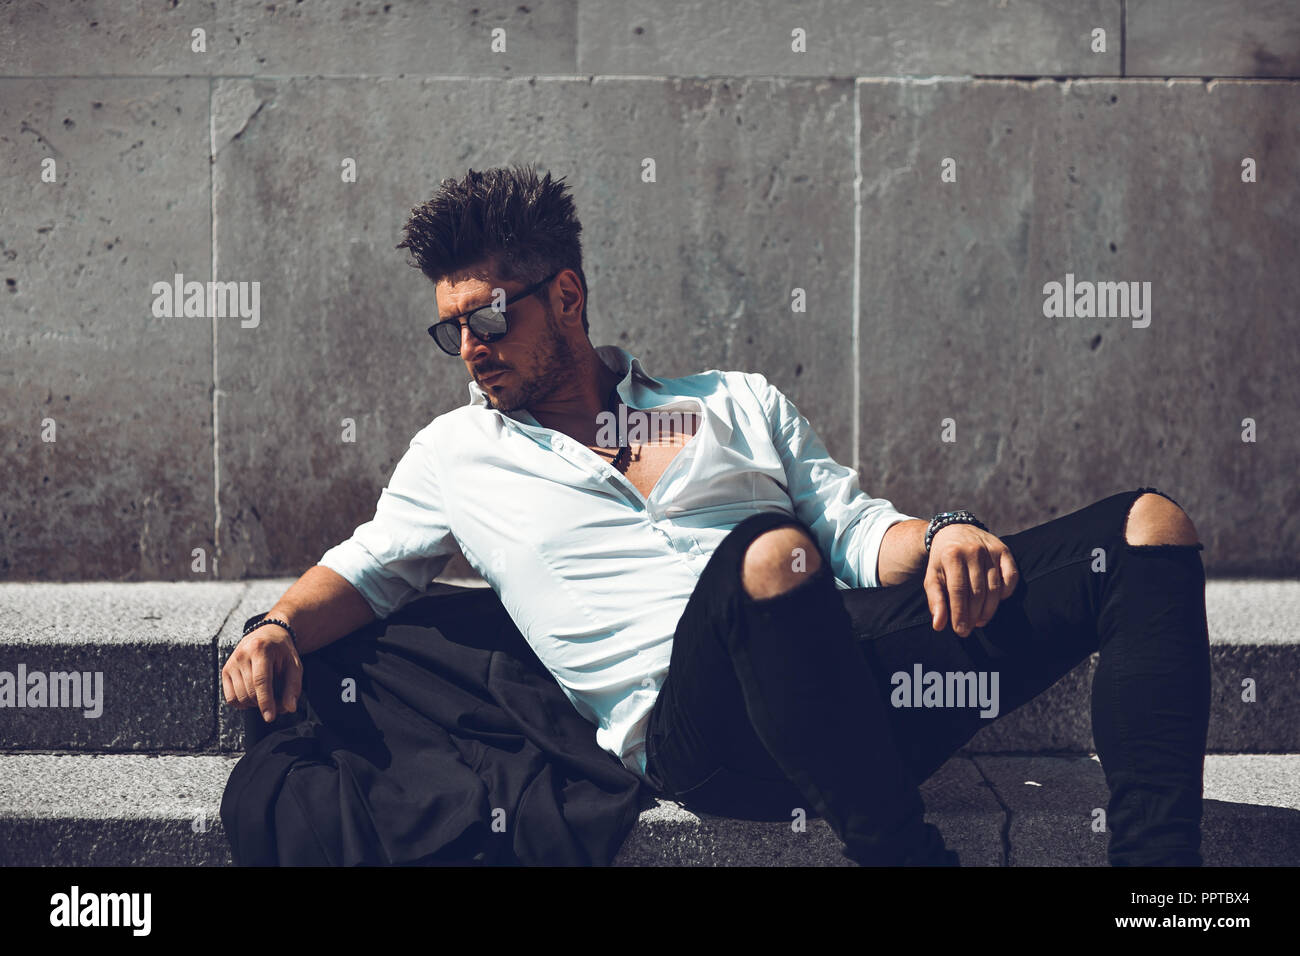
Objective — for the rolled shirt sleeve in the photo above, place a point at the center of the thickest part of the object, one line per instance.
(393, 558)
(847, 524)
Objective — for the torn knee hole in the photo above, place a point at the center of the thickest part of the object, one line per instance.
(779, 560)
(1160, 523)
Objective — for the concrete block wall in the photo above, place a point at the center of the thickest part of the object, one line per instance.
(1102, 139)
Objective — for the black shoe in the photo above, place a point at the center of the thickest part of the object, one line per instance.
(915, 844)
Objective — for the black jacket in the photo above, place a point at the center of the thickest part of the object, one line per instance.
(434, 736)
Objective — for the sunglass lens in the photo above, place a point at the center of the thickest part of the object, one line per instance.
(448, 338)
(488, 325)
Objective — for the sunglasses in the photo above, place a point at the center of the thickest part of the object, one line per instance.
(488, 324)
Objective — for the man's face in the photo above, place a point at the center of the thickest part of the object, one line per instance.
(535, 358)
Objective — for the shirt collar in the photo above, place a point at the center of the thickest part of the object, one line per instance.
(616, 358)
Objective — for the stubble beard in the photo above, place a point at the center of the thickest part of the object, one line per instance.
(556, 366)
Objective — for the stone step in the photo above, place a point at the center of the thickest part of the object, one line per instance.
(160, 646)
(140, 810)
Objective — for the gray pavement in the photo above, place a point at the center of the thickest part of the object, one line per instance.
(133, 809)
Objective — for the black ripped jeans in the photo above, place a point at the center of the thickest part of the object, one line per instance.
(781, 703)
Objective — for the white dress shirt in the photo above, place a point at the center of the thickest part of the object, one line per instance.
(594, 574)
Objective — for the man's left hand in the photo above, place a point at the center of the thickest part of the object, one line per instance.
(969, 573)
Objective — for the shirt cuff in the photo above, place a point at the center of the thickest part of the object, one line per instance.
(352, 562)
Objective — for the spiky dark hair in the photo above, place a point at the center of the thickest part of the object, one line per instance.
(527, 227)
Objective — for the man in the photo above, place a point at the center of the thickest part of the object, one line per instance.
(720, 599)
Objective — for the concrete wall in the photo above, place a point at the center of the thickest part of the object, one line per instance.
(776, 170)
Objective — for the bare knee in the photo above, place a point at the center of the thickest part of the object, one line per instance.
(1154, 519)
(777, 561)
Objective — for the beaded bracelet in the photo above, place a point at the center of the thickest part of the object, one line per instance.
(943, 519)
(272, 620)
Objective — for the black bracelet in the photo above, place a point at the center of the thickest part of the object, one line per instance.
(273, 620)
(943, 519)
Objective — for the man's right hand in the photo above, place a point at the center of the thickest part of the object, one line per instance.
(263, 659)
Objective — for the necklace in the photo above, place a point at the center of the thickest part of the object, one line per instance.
(621, 459)
(624, 456)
